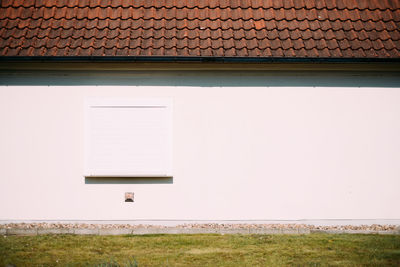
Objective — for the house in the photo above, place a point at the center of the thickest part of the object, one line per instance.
(199, 110)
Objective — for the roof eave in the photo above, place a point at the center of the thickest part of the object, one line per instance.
(196, 63)
(183, 59)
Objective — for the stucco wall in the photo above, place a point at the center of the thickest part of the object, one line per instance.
(239, 152)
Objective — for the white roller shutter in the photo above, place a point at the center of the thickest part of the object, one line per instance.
(128, 137)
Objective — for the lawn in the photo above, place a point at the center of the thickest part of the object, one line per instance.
(201, 250)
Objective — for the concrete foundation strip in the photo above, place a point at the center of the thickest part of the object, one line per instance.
(145, 231)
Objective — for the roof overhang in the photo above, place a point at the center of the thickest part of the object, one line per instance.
(198, 63)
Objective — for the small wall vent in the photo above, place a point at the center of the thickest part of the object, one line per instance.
(129, 196)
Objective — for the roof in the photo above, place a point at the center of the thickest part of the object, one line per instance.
(300, 29)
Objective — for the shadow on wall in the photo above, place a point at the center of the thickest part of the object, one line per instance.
(129, 180)
(204, 78)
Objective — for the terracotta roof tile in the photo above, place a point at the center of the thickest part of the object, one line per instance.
(235, 28)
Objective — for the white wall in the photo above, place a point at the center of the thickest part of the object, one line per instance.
(242, 153)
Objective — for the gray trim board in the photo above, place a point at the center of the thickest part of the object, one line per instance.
(203, 78)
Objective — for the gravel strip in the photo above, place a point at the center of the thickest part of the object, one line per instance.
(216, 226)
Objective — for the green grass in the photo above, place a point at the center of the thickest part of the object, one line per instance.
(201, 250)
